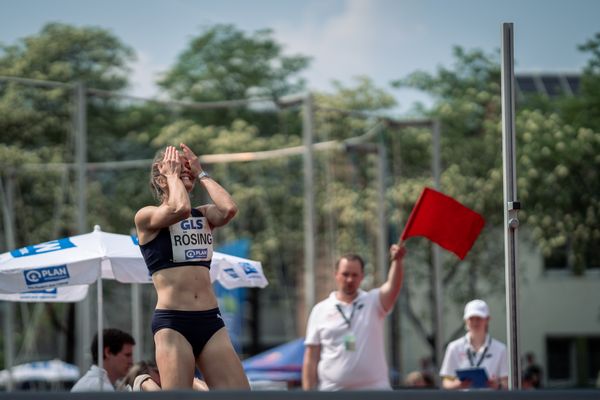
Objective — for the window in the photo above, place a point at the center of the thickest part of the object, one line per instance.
(526, 84)
(562, 259)
(592, 256)
(552, 85)
(558, 259)
(573, 361)
(593, 351)
(573, 82)
(559, 355)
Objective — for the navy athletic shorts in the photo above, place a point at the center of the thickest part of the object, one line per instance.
(196, 326)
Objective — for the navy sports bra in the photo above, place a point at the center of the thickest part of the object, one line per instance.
(188, 242)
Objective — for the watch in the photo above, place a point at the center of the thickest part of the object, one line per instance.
(202, 175)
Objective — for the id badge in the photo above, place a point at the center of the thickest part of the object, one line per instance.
(350, 342)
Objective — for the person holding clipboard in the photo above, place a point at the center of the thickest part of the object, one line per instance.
(475, 360)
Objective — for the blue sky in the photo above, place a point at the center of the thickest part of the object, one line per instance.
(383, 39)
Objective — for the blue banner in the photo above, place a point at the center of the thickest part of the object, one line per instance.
(232, 301)
(46, 247)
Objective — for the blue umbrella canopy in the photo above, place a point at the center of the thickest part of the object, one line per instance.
(283, 362)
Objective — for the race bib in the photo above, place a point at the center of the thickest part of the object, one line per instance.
(191, 240)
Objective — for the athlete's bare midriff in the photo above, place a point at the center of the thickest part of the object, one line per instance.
(186, 288)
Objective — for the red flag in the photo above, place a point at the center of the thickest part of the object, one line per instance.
(444, 221)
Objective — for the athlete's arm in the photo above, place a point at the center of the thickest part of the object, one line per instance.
(224, 208)
(177, 206)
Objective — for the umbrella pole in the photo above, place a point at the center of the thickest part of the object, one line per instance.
(100, 331)
(136, 320)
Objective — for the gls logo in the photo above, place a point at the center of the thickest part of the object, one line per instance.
(192, 254)
(191, 223)
(36, 277)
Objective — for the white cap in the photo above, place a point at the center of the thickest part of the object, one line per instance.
(476, 308)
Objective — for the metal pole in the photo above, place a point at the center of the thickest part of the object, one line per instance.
(81, 157)
(382, 241)
(136, 320)
(391, 339)
(80, 132)
(309, 205)
(437, 254)
(9, 308)
(511, 204)
(100, 299)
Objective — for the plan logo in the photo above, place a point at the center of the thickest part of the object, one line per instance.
(40, 276)
(41, 248)
(192, 254)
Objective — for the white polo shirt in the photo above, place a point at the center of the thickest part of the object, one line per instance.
(90, 382)
(460, 354)
(364, 367)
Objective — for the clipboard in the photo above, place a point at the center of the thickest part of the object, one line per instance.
(477, 376)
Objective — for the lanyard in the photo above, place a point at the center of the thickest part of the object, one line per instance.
(472, 355)
(348, 320)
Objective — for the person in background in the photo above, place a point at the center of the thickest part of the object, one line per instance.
(344, 335)
(532, 373)
(143, 376)
(415, 379)
(476, 349)
(117, 358)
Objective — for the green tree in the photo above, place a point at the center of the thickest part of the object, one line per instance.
(39, 121)
(224, 63)
(555, 158)
(581, 110)
(37, 128)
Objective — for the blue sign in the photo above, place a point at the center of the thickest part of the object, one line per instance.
(43, 291)
(231, 302)
(231, 273)
(248, 268)
(46, 247)
(39, 276)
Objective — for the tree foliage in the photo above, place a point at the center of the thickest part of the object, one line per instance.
(37, 121)
(224, 63)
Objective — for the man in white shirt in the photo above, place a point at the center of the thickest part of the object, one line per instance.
(345, 332)
(475, 349)
(117, 359)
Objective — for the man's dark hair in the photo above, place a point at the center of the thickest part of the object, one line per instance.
(351, 257)
(114, 339)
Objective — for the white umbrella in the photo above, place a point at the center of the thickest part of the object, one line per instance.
(87, 258)
(78, 260)
(49, 371)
